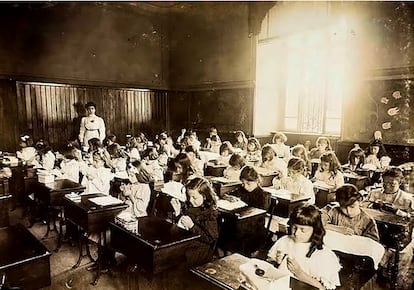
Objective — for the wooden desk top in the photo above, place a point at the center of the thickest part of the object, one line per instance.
(388, 217)
(225, 273)
(88, 206)
(63, 185)
(244, 212)
(158, 233)
(18, 245)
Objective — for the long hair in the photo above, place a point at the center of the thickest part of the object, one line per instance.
(243, 144)
(334, 164)
(204, 188)
(255, 142)
(237, 159)
(309, 215)
(354, 153)
(249, 174)
(322, 139)
(347, 194)
(299, 150)
(268, 153)
(184, 161)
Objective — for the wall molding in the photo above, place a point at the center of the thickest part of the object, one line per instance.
(215, 86)
(391, 73)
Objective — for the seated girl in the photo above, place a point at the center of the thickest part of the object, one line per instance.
(27, 152)
(200, 216)
(295, 181)
(236, 163)
(374, 153)
(97, 178)
(151, 164)
(70, 167)
(226, 150)
(303, 254)
(356, 160)
(196, 163)
(391, 197)
(349, 218)
(181, 168)
(281, 149)
(322, 145)
(251, 192)
(241, 141)
(300, 151)
(45, 156)
(118, 162)
(133, 149)
(254, 151)
(271, 162)
(329, 171)
(213, 144)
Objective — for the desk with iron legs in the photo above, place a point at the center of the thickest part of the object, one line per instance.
(91, 218)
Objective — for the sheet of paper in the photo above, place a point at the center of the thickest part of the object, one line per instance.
(105, 200)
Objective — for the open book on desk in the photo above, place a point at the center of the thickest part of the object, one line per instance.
(106, 200)
(230, 205)
(323, 186)
(225, 180)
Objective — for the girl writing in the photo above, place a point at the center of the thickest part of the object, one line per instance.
(254, 152)
(241, 141)
(236, 163)
(271, 162)
(329, 171)
(322, 145)
(295, 182)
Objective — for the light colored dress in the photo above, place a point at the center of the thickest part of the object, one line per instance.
(27, 154)
(334, 181)
(301, 186)
(323, 265)
(91, 127)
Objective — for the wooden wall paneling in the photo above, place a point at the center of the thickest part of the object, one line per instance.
(21, 120)
(9, 125)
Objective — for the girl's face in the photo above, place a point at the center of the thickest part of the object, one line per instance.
(324, 166)
(178, 168)
(91, 110)
(322, 146)
(278, 141)
(191, 156)
(98, 163)
(351, 210)
(375, 150)
(249, 185)
(294, 173)
(301, 233)
(391, 184)
(356, 160)
(22, 144)
(195, 198)
(225, 153)
(139, 140)
(239, 139)
(250, 147)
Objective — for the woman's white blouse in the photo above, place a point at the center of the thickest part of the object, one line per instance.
(323, 265)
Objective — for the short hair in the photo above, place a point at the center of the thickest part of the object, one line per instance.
(279, 136)
(347, 194)
(237, 159)
(249, 173)
(204, 188)
(26, 139)
(90, 104)
(309, 215)
(115, 150)
(393, 172)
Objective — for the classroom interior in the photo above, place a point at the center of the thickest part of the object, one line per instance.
(342, 70)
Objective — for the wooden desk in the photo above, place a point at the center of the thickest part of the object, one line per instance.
(241, 229)
(52, 194)
(395, 231)
(222, 185)
(91, 218)
(224, 273)
(283, 202)
(5, 201)
(24, 260)
(323, 196)
(360, 181)
(214, 170)
(158, 246)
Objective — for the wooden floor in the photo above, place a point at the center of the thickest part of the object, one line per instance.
(121, 277)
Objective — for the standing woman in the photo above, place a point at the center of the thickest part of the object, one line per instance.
(91, 126)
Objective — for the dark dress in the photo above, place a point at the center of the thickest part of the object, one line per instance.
(205, 224)
(256, 198)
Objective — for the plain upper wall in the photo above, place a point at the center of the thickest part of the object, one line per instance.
(103, 43)
(210, 45)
